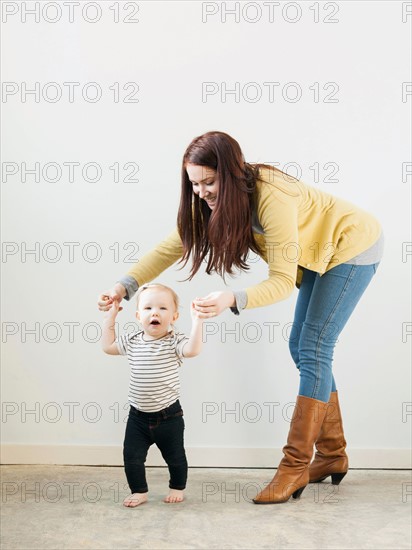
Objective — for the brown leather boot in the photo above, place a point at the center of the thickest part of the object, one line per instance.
(330, 458)
(292, 475)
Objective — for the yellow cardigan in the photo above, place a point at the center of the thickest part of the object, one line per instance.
(302, 227)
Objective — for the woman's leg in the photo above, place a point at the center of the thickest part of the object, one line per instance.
(305, 293)
(329, 302)
(331, 458)
(333, 298)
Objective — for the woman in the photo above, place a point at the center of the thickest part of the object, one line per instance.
(326, 246)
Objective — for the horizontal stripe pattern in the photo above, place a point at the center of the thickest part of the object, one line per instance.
(154, 378)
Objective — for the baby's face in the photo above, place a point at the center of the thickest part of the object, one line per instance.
(156, 312)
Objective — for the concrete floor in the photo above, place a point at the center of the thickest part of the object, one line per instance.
(76, 507)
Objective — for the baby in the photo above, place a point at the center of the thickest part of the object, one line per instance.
(155, 414)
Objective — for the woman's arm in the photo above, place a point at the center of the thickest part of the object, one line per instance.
(157, 260)
(145, 270)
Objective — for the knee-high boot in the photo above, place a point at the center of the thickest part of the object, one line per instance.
(330, 458)
(292, 475)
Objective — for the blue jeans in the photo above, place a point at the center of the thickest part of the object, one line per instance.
(323, 307)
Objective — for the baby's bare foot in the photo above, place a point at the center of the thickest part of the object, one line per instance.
(135, 500)
(174, 496)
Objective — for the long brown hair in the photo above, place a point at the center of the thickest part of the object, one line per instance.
(224, 234)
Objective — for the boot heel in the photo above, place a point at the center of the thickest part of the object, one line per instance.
(297, 493)
(337, 478)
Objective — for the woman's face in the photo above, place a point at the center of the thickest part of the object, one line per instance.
(204, 183)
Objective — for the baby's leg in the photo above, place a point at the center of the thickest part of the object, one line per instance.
(136, 444)
(169, 439)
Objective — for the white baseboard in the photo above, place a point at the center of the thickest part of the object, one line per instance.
(218, 457)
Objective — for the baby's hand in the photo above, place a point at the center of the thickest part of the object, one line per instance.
(194, 312)
(114, 310)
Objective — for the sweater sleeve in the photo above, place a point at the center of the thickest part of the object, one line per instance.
(157, 260)
(278, 215)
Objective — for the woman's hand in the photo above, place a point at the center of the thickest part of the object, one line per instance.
(105, 300)
(214, 303)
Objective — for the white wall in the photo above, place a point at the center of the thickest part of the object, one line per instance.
(169, 53)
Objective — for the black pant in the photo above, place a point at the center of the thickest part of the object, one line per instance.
(165, 428)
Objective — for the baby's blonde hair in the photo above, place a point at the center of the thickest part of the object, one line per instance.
(160, 286)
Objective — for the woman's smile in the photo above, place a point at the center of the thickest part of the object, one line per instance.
(210, 200)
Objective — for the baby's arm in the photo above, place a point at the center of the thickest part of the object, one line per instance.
(109, 333)
(194, 345)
